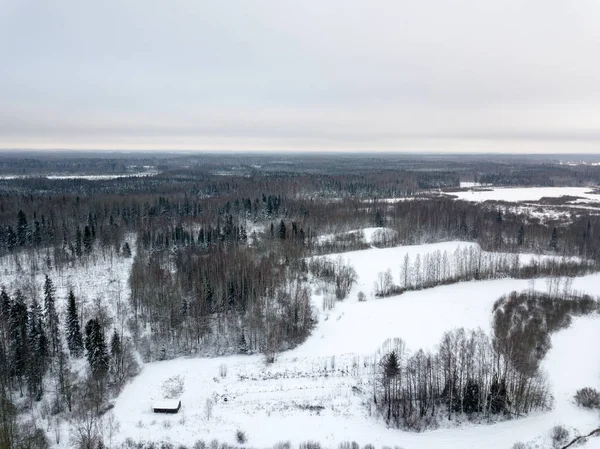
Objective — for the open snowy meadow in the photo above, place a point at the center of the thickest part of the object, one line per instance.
(518, 194)
(321, 389)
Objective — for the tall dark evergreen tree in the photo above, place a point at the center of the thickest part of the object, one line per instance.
(554, 240)
(87, 240)
(5, 304)
(282, 230)
(379, 220)
(38, 351)
(22, 228)
(51, 316)
(19, 349)
(74, 338)
(471, 397)
(521, 236)
(116, 354)
(11, 238)
(78, 243)
(96, 351)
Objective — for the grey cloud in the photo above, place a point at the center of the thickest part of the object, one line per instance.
(284, 73)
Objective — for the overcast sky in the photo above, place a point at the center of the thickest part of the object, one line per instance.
(426, 75)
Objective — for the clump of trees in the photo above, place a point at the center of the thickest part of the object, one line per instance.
(337, 275)
(37, 351)
(466, 377)
(588, 398)
(196, 303)
(523, 323)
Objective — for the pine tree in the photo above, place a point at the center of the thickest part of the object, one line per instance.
(554, 240)
(96, 351)
(87, 240)
(38, 348)
(243, 345)
(391, 368)
(379, 221)
(19, 349)
(521, 236)
(282, 230)
(497, 399)
(22, 228)
(52, 324)
(5, 304)
(78, 249)
(74, 338)
(11, 238)
(116, 354)
(499, 218)
(471, 397)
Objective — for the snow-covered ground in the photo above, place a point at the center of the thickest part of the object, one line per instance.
(470, 184)
(320, 391)
(370, 235)
(517, 194)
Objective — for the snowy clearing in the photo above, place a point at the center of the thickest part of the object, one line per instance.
(518, 194)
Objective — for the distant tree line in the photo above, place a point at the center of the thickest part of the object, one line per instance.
(471, 263)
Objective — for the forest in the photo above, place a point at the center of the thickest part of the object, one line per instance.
(225, 253)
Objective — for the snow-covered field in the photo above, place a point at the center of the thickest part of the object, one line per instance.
(518, 194)
(320, 391)
(105, 177)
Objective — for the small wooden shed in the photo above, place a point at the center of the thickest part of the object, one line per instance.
(166, 406)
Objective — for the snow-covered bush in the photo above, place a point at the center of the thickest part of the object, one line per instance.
(559, 435)
(283, 445)
(240, 437)
(588, 398)
(361, 296)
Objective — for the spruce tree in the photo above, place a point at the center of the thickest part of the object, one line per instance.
(51, 316)
(87, 240)
(19, 348)
(379, 220)
(5, 304)
(282, 230)
(96, 351)
(22, 228)
(554, 240)
(471, 397)
(243, 345)
(74, 338)
(391, 368)
(38, 351)
(521, 236)
(126, 250)
(116, 354)
(78, 250)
